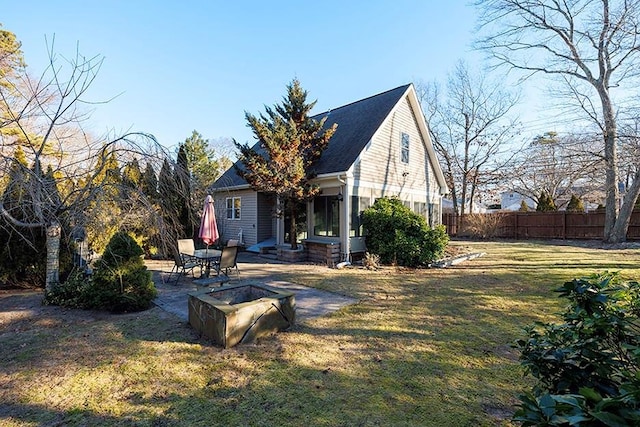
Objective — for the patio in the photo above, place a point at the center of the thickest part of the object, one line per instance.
(310, 302)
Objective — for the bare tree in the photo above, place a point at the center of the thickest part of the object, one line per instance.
(592, 47)
(558, 166)
(471, 132)
(46, 117)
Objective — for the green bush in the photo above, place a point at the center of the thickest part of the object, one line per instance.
(121, 281)
(575, 205)
(400, 236)
(546, 203)
(588, 367)
(70, 293)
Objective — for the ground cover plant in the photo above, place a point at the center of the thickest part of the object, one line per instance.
(426, 347)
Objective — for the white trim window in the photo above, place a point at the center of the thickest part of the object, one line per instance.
(234, 207)
(404, 148)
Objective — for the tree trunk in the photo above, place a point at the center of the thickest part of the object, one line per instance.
(611, 163)
(53, 256)
(293, 236)
(619, 232)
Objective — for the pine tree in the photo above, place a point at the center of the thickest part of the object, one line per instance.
(575, 205)
(150, 183)
(131, 174)
(524, 207)
(289, 143)
(184, 204)
(546, 203)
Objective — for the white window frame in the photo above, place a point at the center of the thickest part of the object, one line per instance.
(234, 210)
(404, 147)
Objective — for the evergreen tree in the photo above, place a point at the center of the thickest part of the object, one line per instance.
(131, 174)
(546, 203)
(104, 211)
(168, 200)
(205, 166)
(289, 143)
(524, 207)
(150, 183)
(184, 204)
(575, 205)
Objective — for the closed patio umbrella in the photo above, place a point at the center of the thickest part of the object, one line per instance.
(208, 228)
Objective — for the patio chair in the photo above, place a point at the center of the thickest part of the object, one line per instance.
(228, 260)
(183, 265)
(186, 247)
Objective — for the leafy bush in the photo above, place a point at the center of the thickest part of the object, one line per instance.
(70, 293)
(400, 236)
(121, 282)
(588, 367)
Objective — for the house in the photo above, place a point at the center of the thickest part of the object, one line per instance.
(447, 206)
(381, 148)
(512, 201)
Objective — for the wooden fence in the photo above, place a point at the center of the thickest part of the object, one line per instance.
(535, 225)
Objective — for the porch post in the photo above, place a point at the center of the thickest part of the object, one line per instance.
(345, 220)
(279, 225)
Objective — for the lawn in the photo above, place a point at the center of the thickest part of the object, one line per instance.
(421, 348)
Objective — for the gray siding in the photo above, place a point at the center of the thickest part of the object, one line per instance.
(266, 217)
(230, 228)
(380, 172)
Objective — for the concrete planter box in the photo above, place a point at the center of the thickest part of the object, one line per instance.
(235, 314)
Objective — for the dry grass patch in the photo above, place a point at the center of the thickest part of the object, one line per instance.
(422, 347)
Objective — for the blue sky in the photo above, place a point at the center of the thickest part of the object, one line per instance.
(180, 66)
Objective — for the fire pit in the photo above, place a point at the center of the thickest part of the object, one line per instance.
(236, 314)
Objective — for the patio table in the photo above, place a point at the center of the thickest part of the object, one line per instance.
(206, 256)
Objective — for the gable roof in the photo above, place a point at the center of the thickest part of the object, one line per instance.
(357, 123)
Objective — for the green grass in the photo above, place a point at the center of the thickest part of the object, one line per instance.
(421, 348)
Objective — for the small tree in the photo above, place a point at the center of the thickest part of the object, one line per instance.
(523, 207)
(575, 205)
(121, 281)
(546, 203)
(290, 142)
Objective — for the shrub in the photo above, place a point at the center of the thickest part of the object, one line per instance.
(587, 368)
(70, 293)
(523, 207)
(546, 203)
(400, 236)
(371, 261)
(575, 205)
(121, 281)
(483, 226)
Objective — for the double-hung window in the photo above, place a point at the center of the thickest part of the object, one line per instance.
(404, 148)
(234, 205)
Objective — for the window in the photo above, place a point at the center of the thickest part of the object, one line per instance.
(234, 205)
(404, 148)
(326, 216)
(358, 205)
(420, 208)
